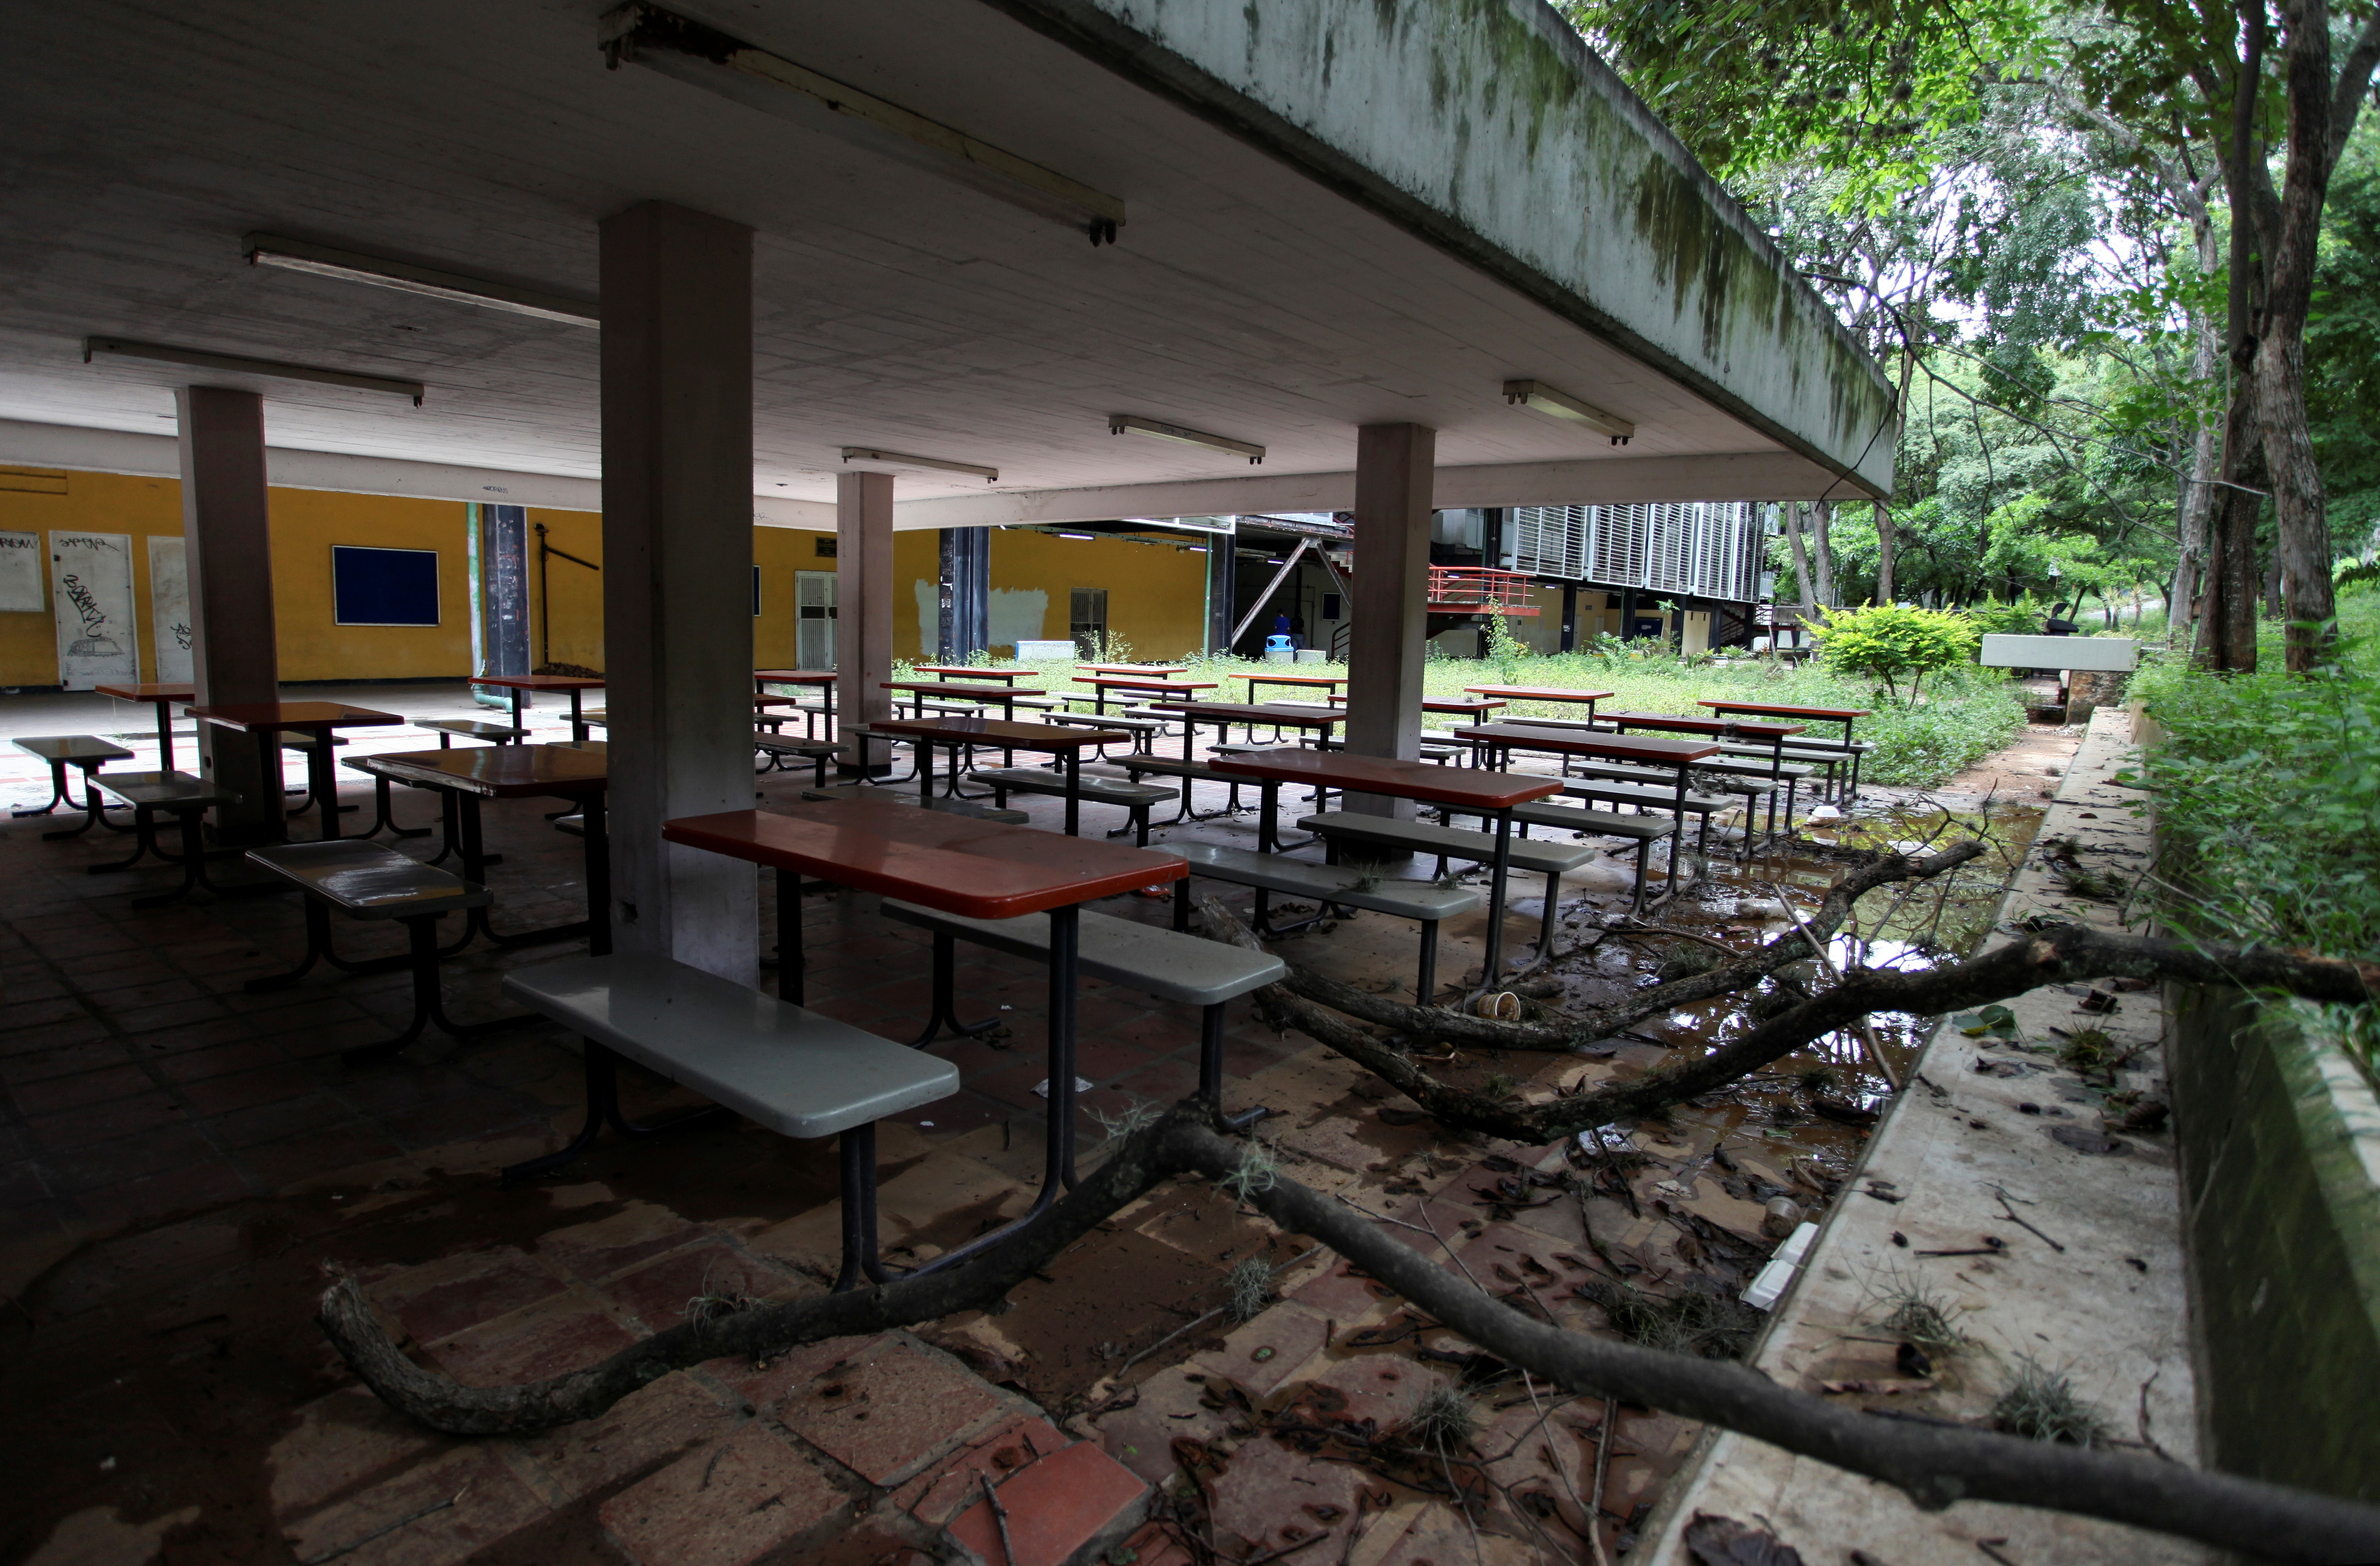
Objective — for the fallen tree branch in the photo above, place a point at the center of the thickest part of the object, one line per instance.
(2062, 955)
(1603, 1022)
(1934, 1465)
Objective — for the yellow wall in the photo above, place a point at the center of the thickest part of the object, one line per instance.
(95, 503)
(1157, 592)
(306, 523)
(572, 623)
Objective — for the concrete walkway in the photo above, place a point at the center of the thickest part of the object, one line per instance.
(2104, 1305)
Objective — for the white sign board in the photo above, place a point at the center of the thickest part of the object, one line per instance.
(20, 573)
(91, 593)
(2060, 652)
(169, 609)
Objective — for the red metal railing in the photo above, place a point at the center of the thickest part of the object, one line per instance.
(1473, 587)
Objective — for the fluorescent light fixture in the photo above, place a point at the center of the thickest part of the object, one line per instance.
(118, 347)
(698, 54)
(1084, 537)
(354, 266)
(1195, 549)
(908, 459)
(1117, 423)
(1545, 399)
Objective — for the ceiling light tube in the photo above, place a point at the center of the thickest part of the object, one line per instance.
(353, 266)
(906, 459)
(1545, 399)
(1120, 423)
(1086, 537)
(118, 347)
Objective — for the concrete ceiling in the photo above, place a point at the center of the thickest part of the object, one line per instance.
(893, 307)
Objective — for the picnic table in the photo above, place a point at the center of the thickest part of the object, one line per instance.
(1772, 735)
(956, 865)
(521, 685)
(1558, 693)
(822, 680)
(163, 697)
(1103, 683)
(1303, 682)
(1478, 709)
(1135, 668)
(576, 771)
(959, 734)
(1675, 754)
(970, 672)
(1491, 794)
(1224, 715)
(1002, 697)
(266, 719)
(1846, 716)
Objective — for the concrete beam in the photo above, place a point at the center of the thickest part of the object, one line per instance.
(228, 537)
(863, 595)
(1384, 656)
(678, 563)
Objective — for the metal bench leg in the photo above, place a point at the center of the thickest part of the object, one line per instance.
(144, 844)
(57, 793)
(602, 1102)
(384, 818)
(450, 817)
(94, 811)
(318, 944)
(1210, 1069)
(429, 1006)
(945, 997)
(1181, 905)
(857, 1147)
(1546, 927)
(1426, 982)
(1644, 868)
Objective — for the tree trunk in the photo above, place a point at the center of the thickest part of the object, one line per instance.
(2197, 500)
(2227, 611)
(1822, 551)
(1801, 554)
(1884, 548)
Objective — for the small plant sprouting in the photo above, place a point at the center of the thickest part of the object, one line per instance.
(1500, 1084)
(1918, 1315)
(1818, 1080)
(1443, 1421)
(1256, 1172)
(2043, 1405)
(1137, 1115)
(2092, 1052)
(1250, 1285)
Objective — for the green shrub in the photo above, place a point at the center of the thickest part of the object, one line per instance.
(1993, 617)
(1885, 641)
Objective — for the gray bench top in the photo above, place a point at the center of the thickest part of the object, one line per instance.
(366, 880)
(1454, 843)
(470, 728)
(158, 789)
(1106, 791)
(72, 747)
(1154, 961)
(1103, 721)
(1337, 884)
(788, 1069)
(1570, 817)
(308, 742)
(1662, 779)
(1653, 796)
(966, 807)
(779, 746)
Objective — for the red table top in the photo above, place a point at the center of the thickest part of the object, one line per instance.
(1003, 733)
(1540, 692)
(1147, 682)
(1245, 713)
(508, 771)
(1461, 786)
(953, 687)
(1444, 704)
(797, 676)
(1589, 742)
(251, 717)
(1727, 726)
(148, 693)
(1780, 709)
(982, 869)
(973, 672)
(537, 682)
(1332, 680)
(1135, 668)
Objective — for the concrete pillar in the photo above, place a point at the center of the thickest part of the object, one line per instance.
(1223, 575)
(677, 576)
(1393, 475)
(863, 586)
(229, 546)
(965, 625)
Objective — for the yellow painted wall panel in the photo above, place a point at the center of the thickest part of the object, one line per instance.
(95, 503)
(566, 615)
(1157, 592)
(306, 524)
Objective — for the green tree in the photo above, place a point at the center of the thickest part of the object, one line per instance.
(1886, 642)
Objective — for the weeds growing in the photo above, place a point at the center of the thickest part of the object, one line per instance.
(2042, 1404)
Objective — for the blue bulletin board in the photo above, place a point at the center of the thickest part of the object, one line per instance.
(383, 586)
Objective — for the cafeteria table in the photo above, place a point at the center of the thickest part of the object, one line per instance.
(823, 679)
(521, 685)
(956, 865)
(163, 697)
(1048, 739)
(266, 719)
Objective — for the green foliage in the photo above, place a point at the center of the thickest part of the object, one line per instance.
(1885, 641)
(1504, 650)
(2342, 349)
(1993, 617)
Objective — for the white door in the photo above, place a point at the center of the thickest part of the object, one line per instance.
(814, 619)
(91, 594)
(169, 608)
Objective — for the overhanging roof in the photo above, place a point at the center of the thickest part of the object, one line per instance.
(1336, 214)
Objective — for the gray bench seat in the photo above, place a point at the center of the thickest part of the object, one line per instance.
(1168, 963)
(187, 799)
(779, 750)
(449, 730)
(944, 804)
(1134, 797)
(1144, 731)
(1424, 901)
(1642, 831)
(779, 1065)
(368, 880)
(1342, 828)
(86, 752)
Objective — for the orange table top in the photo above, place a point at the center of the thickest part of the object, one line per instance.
(537, 682)
(1000, 733)
(1142, 682)
(1443, 704)
(1777, 709)
(1590, 742)
(1333, 680)
(251, 717)
(797, 676)
(1468, 787)
(1727, 726)
(982, 869)
(148, 693)
(506, 771)
(1540, 692)
(974, 673)
(1245, 713)
(953, 687)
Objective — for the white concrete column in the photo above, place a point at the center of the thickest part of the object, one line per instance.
(863, 598)
(228, 542)
(677, 576)
(1394, 477)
